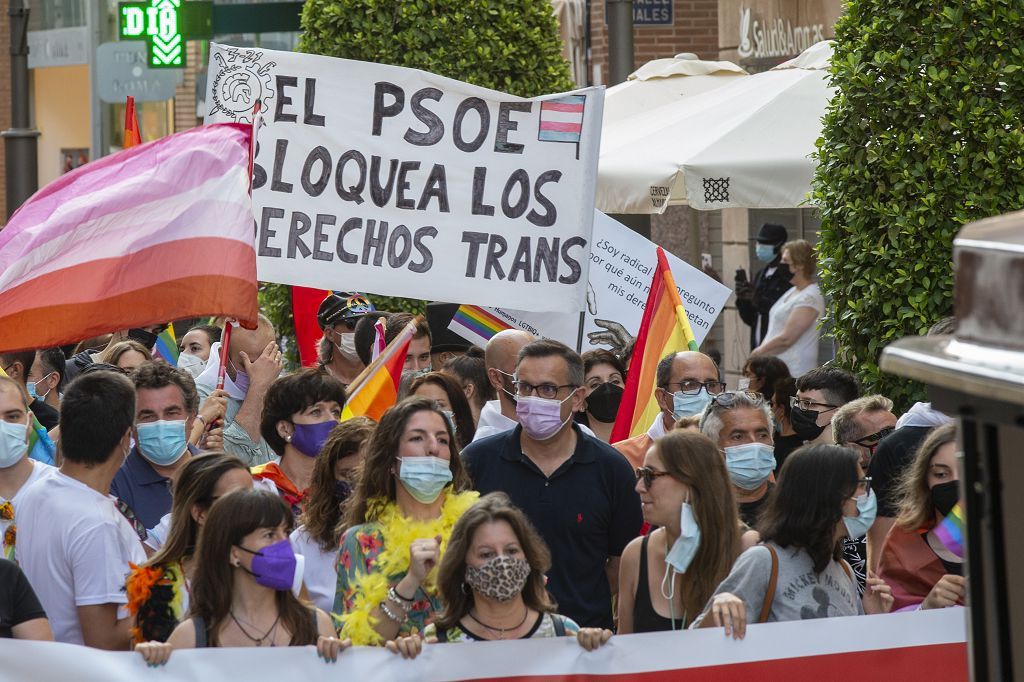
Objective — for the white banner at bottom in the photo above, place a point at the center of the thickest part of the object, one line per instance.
(923, 645)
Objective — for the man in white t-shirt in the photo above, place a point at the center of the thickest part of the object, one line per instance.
(73, 543)
(17, 471)
(500, 356)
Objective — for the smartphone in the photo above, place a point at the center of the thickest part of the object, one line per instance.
(741, 275)
(705, 260)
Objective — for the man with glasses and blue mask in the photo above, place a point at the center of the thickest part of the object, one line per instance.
(578, 492)
(740, 424)
(861, 425)
(685, 384)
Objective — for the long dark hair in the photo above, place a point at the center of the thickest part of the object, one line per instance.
(471, 369)
(770, 370)
(451, 574)
(692, 458)
(323, 511)
(194, 487)
(231, 518)
(376, 479)
(465, 429)
(807, 504)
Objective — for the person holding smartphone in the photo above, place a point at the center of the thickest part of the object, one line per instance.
(754, 299)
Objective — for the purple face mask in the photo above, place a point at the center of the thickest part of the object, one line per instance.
(310, 438)
(275, 566)
(541, 417)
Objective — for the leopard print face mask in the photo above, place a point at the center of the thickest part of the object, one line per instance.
(500, 579)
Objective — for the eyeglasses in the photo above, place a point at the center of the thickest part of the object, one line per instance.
(808, 405)
(549, 391)
(647, 475)
(730, 399)
(863, 487)
(692, 387)
(871, 442)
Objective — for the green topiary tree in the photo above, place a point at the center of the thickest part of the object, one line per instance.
(508, 45)
(924, 135)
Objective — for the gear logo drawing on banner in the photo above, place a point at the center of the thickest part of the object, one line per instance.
(716, 189)
(241, 82)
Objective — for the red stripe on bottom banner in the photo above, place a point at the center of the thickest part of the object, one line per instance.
(935, 663)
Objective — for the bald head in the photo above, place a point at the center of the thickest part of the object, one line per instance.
(252, 341)
(503, 349)
(688, 364)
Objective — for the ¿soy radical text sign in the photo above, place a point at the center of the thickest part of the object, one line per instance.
(403, 183)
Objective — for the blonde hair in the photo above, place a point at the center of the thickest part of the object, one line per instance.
(801, 255)
(916, 509)
(844, 428)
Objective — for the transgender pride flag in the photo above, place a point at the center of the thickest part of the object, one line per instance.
(161, 231)
(561, 120)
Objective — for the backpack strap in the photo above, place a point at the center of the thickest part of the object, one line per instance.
(559, 624)
(769, 594)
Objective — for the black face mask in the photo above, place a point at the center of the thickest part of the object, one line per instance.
(147, 339)
(784, 272)
(805, 423)
(945, 496)
(603, 402)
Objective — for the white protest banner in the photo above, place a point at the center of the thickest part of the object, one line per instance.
(921, 645)
(621, 265)
(399, 182)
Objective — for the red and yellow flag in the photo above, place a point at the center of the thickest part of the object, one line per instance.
(665, 329)
(132, 134)
(376, 387)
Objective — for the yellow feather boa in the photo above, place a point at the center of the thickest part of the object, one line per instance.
(397, 532)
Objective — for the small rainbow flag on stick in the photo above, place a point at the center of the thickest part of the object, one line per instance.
(950, 531)
(167, 345)
(476, 325)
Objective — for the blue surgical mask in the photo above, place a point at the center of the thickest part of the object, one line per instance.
(764, 252)
(686, 545)
(690, 405)
(424, 477)
(867, 508)
(13, 443)
(31, 387)
(749, 464)
(162, 442)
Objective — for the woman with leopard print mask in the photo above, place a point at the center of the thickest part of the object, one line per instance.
(491, 580)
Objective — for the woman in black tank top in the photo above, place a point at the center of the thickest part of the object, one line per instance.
(665, 578)
(243, 589)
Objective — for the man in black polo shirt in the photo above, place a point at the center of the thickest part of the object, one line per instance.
(577, 490)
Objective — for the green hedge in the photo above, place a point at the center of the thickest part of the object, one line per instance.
(508, 45)
(924, 135)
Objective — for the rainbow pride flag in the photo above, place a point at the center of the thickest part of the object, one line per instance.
(476, 325)
(167, 346)
(376, 387)
(950, 531)
(665, 329)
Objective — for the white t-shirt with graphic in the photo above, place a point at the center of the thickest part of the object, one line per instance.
(74, 546)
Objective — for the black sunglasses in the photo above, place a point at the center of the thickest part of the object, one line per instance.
(647, 475)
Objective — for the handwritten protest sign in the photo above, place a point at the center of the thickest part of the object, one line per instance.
(622, 263)
(400, 182)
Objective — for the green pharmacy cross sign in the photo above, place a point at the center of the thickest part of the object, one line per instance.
(165, 25)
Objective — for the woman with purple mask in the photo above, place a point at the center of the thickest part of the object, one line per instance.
(299, 412)
(246, 579)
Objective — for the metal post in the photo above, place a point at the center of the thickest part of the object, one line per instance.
(620, 40)
(20, 150)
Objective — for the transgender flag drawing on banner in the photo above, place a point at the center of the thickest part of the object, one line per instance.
(561, 120)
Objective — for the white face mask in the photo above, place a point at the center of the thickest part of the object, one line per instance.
(13, 443)
(347, 347)
(193, 364)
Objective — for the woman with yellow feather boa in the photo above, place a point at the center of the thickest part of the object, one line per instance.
(412, 490)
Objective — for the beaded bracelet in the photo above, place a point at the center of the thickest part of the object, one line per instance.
(398, 600)
(392, 616)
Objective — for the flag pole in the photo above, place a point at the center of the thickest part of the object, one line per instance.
(380, 359)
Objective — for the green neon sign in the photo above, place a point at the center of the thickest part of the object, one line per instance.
(165, 25)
